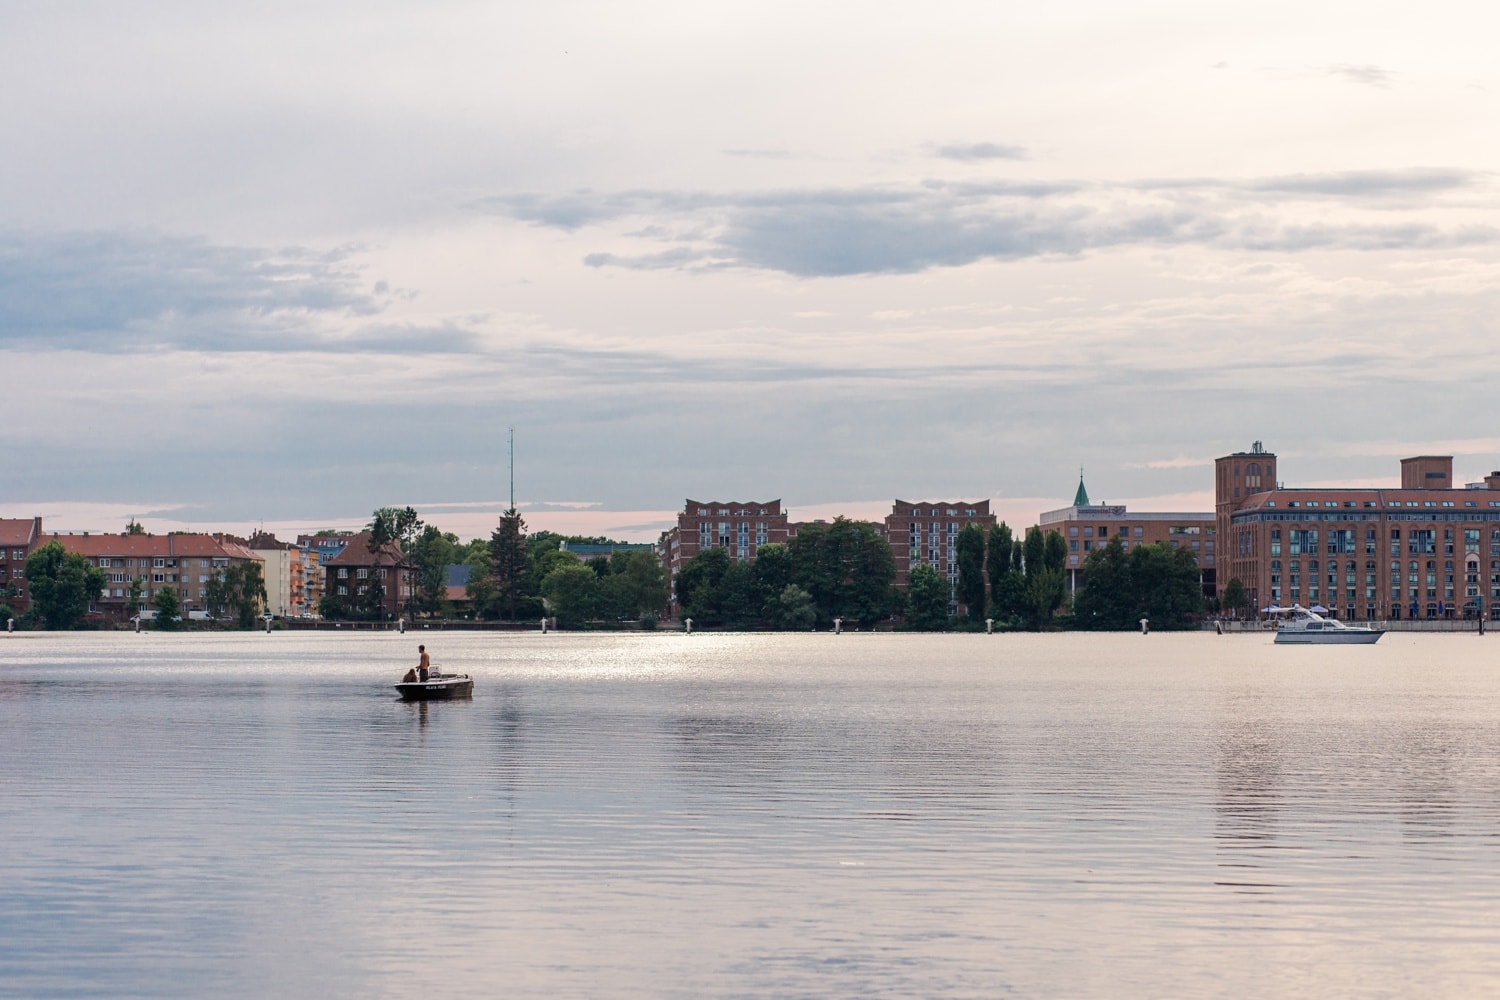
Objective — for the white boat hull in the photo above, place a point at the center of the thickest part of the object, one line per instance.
(1331, 637)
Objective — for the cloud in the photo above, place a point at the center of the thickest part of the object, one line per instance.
(125, 291)
(1370, 76)
(1366, 183)
(902, 229)
(982, 151)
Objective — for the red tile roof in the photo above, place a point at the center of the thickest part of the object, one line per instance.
(357, 553)
(19, 531)
(173, 546)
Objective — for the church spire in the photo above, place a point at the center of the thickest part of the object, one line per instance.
(1081, 498)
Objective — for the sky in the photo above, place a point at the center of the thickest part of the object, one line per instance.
(279, 264)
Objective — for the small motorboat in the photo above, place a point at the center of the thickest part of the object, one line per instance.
(1304, 626)
(437, 687)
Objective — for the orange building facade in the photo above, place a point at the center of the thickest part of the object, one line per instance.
(1427, 549)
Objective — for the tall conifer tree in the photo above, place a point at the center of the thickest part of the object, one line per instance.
(508, 564)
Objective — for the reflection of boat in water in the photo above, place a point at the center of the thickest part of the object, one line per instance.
(1304, 626)
(437, 687)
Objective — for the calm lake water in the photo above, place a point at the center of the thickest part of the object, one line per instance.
(750, 816)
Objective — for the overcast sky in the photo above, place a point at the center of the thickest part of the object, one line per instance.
(286, 262)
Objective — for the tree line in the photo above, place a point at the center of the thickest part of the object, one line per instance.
(839, 570)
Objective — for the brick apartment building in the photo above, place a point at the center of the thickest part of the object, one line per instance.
(1425, 549)
(926, 532)
(738, 526)
(18, 537)
(185, 562)
(350, 574)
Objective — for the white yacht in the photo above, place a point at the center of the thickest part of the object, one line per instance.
(1304, 626)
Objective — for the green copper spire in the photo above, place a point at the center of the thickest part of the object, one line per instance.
(1081, 498)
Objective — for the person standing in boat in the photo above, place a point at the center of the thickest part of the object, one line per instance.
(424, 666)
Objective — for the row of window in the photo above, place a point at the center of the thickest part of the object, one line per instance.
(1388, 503)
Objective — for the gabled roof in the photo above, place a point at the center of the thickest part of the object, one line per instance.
(357, 553)
(19, 531)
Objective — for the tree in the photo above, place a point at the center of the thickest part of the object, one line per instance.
(168, 608)
(643, 583)
(1167, 582)
(133, 527)
(1004, 569)
(773, 569)
(792, 608)
(239, 591)
(510, 563)
(1156, 582)
(398, 528)
(1235, 597)
(483, 595)
(1043, 590)
(740, 599)
(997, 555)
(1108, 598)
(698, 586)
(571, 593)
(432, 552)
(969, 553)
(62, 584)
(927, 599)
(137, 591)
(847, 568)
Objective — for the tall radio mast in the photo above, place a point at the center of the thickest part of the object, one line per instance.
(512, 470)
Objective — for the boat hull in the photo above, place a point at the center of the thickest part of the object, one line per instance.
(437, 689)
(1330, 637)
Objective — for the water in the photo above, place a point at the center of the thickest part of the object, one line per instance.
(749, 816)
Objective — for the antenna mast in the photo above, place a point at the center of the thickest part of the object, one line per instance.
(512, 469)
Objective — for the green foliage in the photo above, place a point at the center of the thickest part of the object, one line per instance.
(698, 586)
(1235, 598)
(334, 607)
(927, 599)
(1044, 584)
(773, 569)
(237, 591)
(168, 608)
(399, 526)
(62, 584)
(431, 554)
(643, 583)
(1055, 551)
(838, 570)
(483, 595)
(134, 528)
(572, 594)
(136, 592)
(969, 553)
(997, 554)
(1156, 582)
(792, 608)
(390, 526)
(511, 568)
(848, 569)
